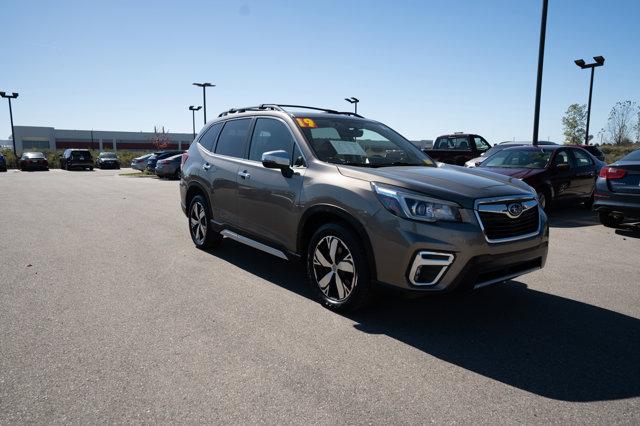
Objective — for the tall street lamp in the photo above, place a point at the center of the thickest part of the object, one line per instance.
(193, 110)
(204, 96)
(543, 32)
(353, 101)
(599, 61)
(10, 96)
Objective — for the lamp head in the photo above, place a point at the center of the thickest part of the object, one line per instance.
(580, 63)
(599, 60)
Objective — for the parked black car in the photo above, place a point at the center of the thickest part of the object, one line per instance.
(457, 148)
(617, 195)
(107, 160)
(33, 161)
(557, 173)
(151, 162)
(3, 163)
(76, 158)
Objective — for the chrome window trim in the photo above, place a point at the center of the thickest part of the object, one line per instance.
(419, 261)
(531, 200)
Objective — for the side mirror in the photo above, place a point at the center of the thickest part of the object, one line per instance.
(276, 160)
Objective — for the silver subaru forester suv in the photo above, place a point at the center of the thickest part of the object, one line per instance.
(358, 203)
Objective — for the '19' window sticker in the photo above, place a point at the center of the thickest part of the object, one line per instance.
(306, 122)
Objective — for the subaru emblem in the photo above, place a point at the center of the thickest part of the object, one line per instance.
(515, 209)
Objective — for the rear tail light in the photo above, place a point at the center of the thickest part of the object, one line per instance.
(612, 173)
(185, 157)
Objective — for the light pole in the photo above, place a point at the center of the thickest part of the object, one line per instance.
(599, 61)
(543, 32)
(204, 96)
(353, 101)
(193, 110)
(10, 96)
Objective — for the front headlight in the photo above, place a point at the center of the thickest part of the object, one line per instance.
(415, 206)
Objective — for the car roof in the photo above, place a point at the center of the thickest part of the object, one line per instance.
(461, 134)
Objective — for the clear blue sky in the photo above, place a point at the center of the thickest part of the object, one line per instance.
(423, 67)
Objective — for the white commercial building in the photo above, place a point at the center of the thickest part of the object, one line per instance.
(49, 138)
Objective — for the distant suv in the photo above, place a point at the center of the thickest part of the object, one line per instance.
(358, 203)
(458, 148)
(76, 158)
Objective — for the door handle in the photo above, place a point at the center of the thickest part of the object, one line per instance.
(244, 174)
(206, 166)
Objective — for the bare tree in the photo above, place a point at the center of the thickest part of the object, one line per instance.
(619, 124)
(574, 124)
(160, 140)
(638, 126)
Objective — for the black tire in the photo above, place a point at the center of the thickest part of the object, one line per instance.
(177, 175)
(199, 225)
(545, 200)
(609, 220)
(90, 169)
(588, 203)
(345, 291)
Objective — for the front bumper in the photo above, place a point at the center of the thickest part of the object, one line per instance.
(474, 262)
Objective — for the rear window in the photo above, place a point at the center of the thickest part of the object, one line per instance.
(81, 154)
(233, 138)
(34, 154)
(632, 156)
(453, 143)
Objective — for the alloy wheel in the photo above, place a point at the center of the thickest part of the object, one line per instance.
(198, 223)
(333, 268)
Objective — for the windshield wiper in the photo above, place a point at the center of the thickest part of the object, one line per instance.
(398, 163)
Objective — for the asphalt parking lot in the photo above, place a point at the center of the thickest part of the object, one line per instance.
(109, 314)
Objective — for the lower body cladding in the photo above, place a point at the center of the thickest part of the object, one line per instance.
(444, 256)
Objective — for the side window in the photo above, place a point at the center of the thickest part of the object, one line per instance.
(453, 143)
(562, 157)
(269, 135)
(233, 138)
(208, 139)
(481, 144)
(582, 159)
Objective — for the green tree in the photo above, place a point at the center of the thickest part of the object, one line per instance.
(574, 124)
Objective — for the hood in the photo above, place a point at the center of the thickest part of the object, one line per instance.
(447, 182)
(515, 172)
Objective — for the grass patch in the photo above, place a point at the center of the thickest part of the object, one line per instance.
(139, 174)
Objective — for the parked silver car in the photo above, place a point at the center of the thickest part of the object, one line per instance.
(169, 167)
(140, 163)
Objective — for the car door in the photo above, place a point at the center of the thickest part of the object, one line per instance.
(221, 170)
(267, 198)
(562, 175)
(585, 167)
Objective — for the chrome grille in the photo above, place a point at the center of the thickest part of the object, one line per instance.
(509, 218)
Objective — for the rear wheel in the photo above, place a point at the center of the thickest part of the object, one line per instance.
(338, 269)
(203, 236)
(610, 220)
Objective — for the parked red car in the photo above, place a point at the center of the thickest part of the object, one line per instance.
(557, 173)
(33, 161)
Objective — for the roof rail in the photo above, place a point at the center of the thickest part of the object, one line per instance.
(280, 107)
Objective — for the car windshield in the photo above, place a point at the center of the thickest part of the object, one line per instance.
(363, 143)
(519, 159)
(107, 155)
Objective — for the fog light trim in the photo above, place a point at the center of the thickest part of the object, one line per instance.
(430, 258)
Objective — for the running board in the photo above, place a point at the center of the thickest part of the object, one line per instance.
(253, 243)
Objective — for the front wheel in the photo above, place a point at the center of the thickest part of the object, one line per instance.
(544, 199)
(202, 234)
(338, 269)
